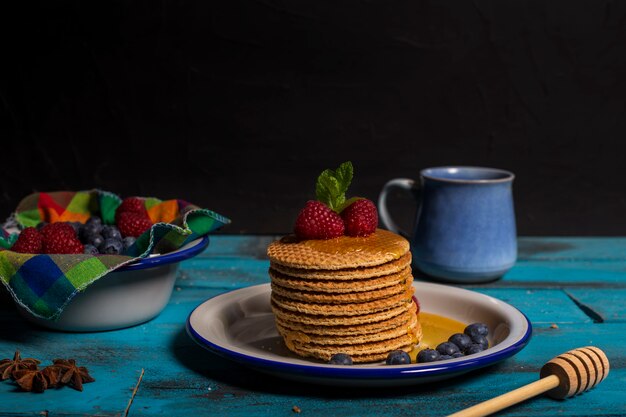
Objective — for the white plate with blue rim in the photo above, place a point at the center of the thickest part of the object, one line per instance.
(239, 325)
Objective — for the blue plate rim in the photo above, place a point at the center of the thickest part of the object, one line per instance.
(349, 372)
(168, 258)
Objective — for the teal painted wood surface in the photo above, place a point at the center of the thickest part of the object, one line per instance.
(572, 289)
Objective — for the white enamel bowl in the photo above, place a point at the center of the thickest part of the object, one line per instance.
(130, 295)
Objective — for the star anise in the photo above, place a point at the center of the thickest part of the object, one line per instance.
(53, 375)
(8, 366)
(71, 374)
(36, 380)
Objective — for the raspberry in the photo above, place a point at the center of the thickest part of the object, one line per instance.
(53, 229)
(29, 241)
(318, 221)
(417, 303)
(134, 204)
(60, 238)
(132, 223)
(62, 243)
(131, 205)
(360, 218)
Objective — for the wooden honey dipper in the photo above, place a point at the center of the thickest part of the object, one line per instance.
(566, 375)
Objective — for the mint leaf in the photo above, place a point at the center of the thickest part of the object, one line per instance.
(327, 188)
(344, 175)
(322, 191)
(331, 186)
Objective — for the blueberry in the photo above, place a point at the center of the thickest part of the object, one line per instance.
(340, 359)
(457, 355)
(91, 229)
(90, 250)
(475, 348)
(111, 232)
(398, 357)
(95, 239)
(482, 341)
(128, 241)
(462, 341)
(447, 348)
(40, 225)
(444, 357)
(428, 355)
(111, 246)
(476, 329)
(94, 220)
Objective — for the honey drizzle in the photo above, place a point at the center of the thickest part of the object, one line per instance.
(375, 244)
(435, 329)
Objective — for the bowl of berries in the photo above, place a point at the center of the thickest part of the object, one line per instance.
(128, 296)
(102, 268)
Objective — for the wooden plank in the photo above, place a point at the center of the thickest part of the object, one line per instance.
(224, 273)
(529, 247)
(572, 248)
(111, 358)
(238, 246)
(181, 378)
(559, 274)
(228, 273)
(229, 389)
(536, 274)
(608, 306)
(542, 307)
(200, 382)
(543, 262)
(553, 274)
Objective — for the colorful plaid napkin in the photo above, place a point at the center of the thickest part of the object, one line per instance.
(45, 284)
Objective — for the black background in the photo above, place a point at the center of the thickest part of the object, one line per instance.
(238, 105)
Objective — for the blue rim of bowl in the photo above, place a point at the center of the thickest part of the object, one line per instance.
(383, 372)
(168, 258)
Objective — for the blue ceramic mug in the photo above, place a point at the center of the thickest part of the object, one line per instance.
(465, 226)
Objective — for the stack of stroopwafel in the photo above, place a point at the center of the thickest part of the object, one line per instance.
(348, 295)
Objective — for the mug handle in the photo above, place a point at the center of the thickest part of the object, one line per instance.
(404, 184)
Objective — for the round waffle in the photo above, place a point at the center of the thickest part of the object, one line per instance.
(341, 298)
(324, 320)
(349, 330)
(387, 268)
(361, 330)
(301, 344)
(343, 286)
(350, 309)
(342, 252)
(309, 339)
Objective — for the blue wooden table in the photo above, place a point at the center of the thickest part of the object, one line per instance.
(572, 289)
